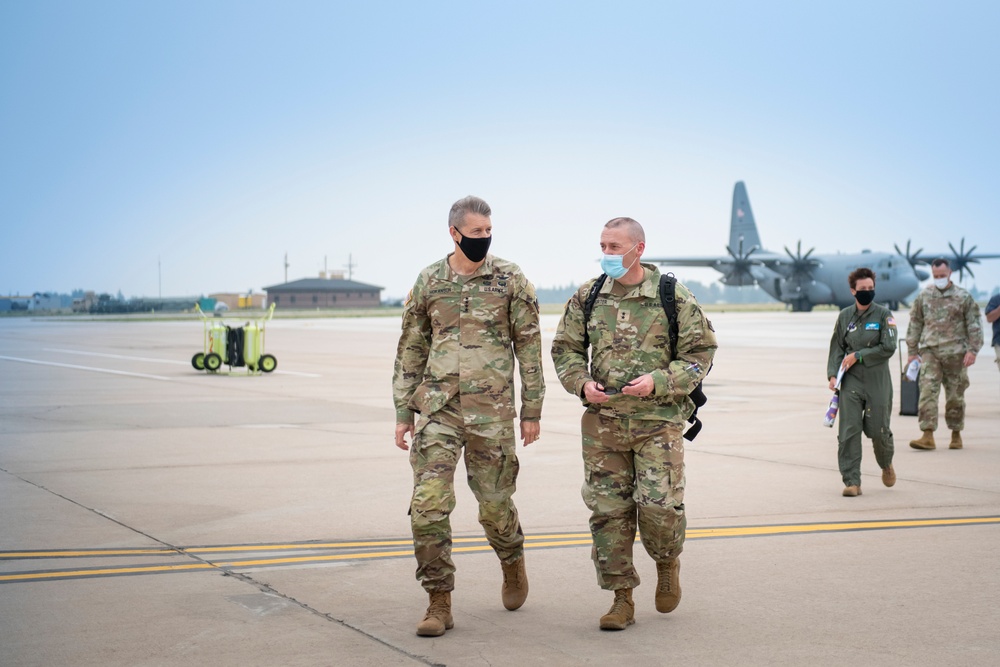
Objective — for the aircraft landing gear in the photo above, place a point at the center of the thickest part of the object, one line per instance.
(801, 306)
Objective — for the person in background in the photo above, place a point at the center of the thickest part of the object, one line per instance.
(946, 332)
(863, 341)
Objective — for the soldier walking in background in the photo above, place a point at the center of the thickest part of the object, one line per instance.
(636, 395)
(464, 321)
(946, 332)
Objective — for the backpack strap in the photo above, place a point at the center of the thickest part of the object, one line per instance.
(588, 306)
(668, 287)
(668, 297)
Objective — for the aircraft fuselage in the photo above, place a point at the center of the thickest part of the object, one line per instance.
(827, 283)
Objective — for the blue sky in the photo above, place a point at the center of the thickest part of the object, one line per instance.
(214, 137)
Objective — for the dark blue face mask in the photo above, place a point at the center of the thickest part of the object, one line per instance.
(474, 248)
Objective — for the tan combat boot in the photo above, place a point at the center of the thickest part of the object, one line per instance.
(926, 441)
(956, 440)
(888, 476)
(622, 612)
(515, 584)
(851, 491)
(438, 617)
(668, 585)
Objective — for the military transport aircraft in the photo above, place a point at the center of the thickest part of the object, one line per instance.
(805, 280)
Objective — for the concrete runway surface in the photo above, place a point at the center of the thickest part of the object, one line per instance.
(155, 515)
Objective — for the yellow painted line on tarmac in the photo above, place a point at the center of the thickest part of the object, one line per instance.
(87, 553)
(378, 549)
(103, 572)
(746, 531)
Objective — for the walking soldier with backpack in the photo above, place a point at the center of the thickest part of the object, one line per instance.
(649, 347)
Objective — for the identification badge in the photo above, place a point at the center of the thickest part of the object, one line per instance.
(872, 326)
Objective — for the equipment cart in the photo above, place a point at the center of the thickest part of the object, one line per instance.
(236, 346)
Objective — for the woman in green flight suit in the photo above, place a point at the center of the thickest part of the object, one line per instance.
(862, 344)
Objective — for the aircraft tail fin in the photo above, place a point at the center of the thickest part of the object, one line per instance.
(742, 225)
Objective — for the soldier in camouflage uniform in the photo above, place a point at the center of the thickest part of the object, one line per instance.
(863, 341)
(465, 320)
(636, 399)
(946, 333)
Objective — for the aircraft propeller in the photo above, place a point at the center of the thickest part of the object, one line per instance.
(802, 266)
(911, 257)
(962, 259)
(739, 275)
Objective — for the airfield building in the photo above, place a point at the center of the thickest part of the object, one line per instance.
(324, 292)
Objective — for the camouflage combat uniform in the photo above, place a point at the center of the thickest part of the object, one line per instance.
(944, 325)
(455, 367)
(633, 451)
(865, 389)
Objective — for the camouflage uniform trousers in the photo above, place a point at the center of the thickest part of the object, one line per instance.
(634, 474)
(492, 466)
(937, 369)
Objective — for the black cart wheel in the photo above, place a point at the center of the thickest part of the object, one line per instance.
(198, 361)
(212, 362)
(267, 363)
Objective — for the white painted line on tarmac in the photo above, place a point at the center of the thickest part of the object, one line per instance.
(85, 368)
(158, 361)
(117, 356)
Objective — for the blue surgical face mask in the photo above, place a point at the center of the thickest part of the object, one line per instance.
(613, 266)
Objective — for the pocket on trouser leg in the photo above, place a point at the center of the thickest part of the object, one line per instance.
(491, 464)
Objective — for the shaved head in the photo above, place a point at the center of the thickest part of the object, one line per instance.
(631, 227)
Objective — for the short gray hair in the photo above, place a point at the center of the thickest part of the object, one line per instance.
(633, 228)
(470, 204)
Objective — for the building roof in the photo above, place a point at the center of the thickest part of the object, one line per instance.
(323, 285)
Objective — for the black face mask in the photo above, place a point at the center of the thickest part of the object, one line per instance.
(865, 297)
(474, 249)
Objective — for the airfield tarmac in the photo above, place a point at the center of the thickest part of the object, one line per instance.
(155, 515)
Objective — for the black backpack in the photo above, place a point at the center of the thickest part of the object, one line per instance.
(668, 286)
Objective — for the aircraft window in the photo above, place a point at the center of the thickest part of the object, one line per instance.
(885, 276)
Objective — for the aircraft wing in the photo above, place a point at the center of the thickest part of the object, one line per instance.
(710, 262)
(927, 258)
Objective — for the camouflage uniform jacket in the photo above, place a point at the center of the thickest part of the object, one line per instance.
(947, 320)
(629, 337)
(458, 332)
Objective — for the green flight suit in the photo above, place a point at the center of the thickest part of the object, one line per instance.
(866, 389)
